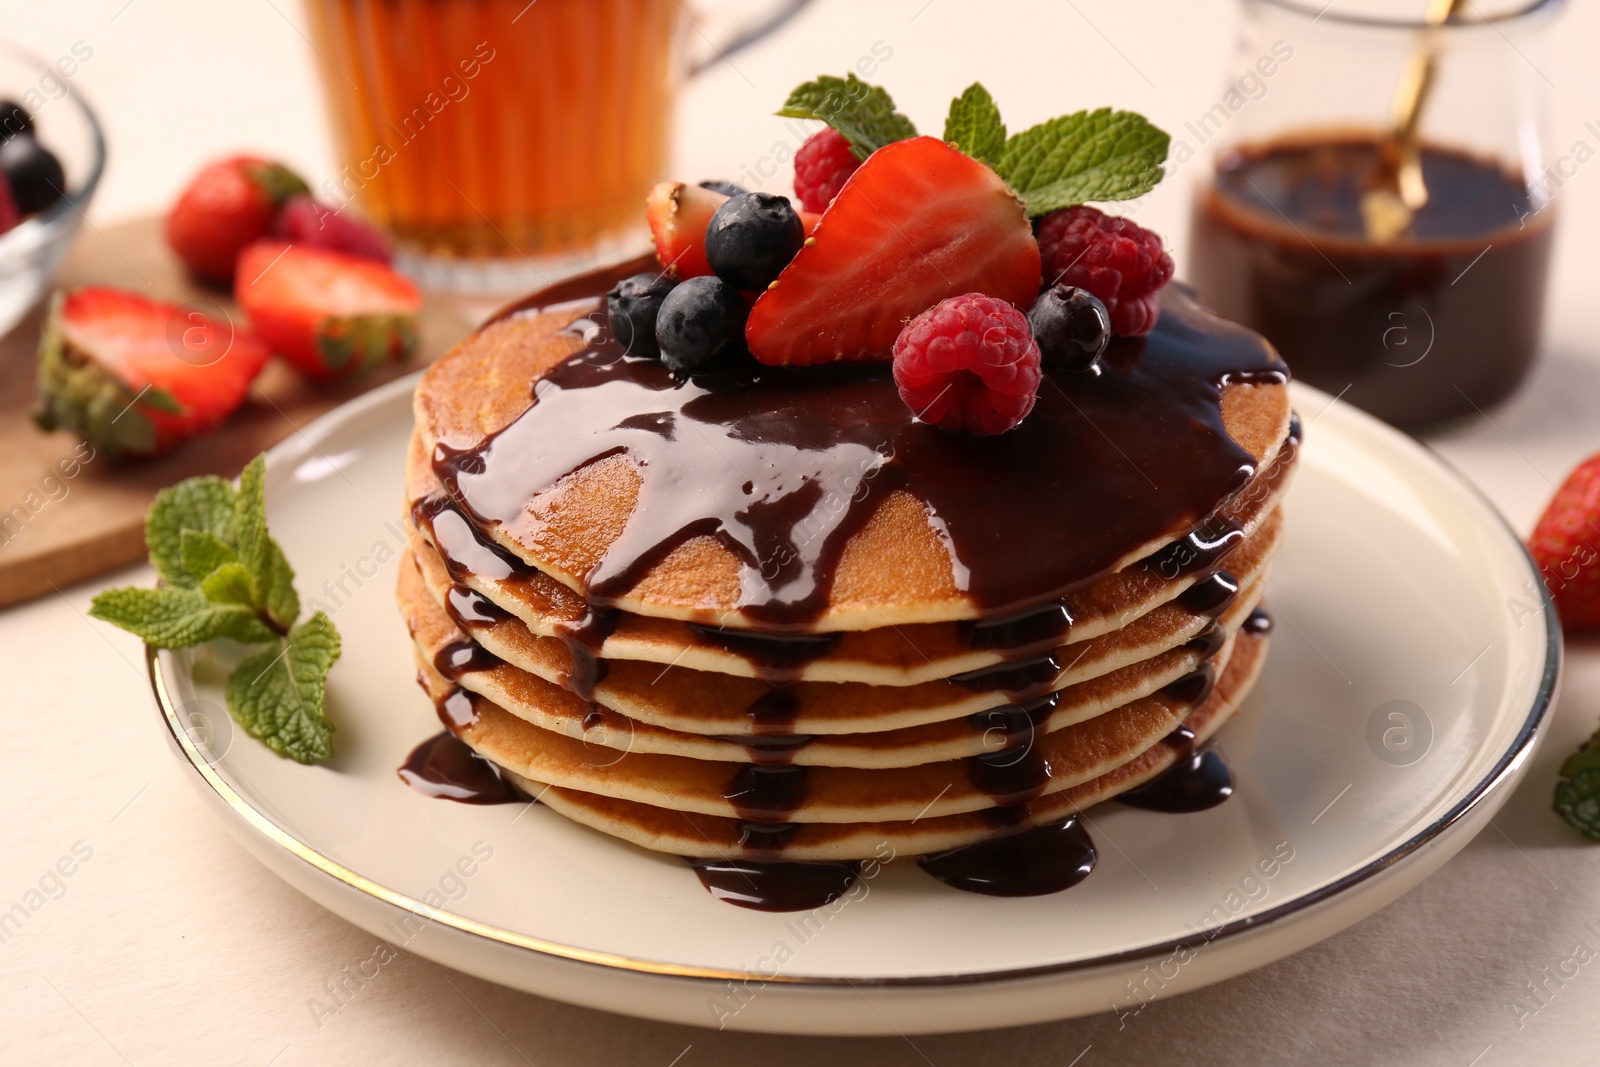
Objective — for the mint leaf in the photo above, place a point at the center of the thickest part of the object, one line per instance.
(1577, 797)
(230, 584)
(974, 125)
(277, 694)
(202, 504)
(863, 113)
(1090, 155)
(177, 618)
(202, 552)
(262, 558)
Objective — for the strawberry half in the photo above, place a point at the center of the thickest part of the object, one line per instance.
(329, 313)
(1566, 546)
(226, 206)
(918, 223)
(678, 214)
(134, 376)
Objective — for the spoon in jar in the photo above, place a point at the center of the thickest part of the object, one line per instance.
(1396, 192)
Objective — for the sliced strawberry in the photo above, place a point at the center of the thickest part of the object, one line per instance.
(226, 206)
(678, 214)
(329, 313)
(134, 376)
(918, 223)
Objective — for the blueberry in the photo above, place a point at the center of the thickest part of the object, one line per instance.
(751, 238)
(725, 188)
(1071, 326)
(633, 305)
(34, 173)
(701, 327)
(14, 119)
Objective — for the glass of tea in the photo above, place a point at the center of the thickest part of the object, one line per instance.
(1421, 321)
(505, 143)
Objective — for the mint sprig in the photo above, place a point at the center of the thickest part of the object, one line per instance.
(1089, 155)
(974, 125)
(864, 114)
(224, 577)
(1072, 159)
(1577, 797)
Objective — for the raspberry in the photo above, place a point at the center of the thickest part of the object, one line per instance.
(1114, 258)
(968, 363)
(821, 167)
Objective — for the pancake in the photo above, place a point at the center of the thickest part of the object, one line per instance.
(884, 655)
(685, 833)
(607, 723)
(896, 565)
(1135, 660)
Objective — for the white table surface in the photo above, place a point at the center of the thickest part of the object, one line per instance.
(170, 945)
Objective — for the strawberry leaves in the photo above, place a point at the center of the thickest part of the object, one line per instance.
(224, 577)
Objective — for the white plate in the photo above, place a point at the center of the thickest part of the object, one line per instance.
(1412, 667)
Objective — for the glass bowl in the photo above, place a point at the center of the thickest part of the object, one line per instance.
(31, 252)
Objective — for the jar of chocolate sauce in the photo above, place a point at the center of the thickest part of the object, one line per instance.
(1441, 321)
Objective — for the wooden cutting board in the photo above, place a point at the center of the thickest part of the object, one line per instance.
(57, 529)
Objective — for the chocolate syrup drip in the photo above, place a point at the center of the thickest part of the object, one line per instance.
(1196, 782)
(770, 886)
(773, 751)
(1208, 642)
(583, 640)
(766, 794)
(592, 718)
(1022, 635)
(777, 659)
(458, 709)
(1259, 622)
(766, 839)
(1014, 724)
(1202, 548)
(774, 712)
(1211, 595)
(1011, 776)
(468, 608)
(1006, 816)
(463, 657)
(463, 549)
(444, 767)
(1021, 680)
(1181, 740)
(1045, 859)
(816, 449)
(1193, 688)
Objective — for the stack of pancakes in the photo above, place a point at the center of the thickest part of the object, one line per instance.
(900, 715)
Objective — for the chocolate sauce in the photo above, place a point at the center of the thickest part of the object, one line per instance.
(1202, 548)
(463, 657)
(1196, 782)
(1194, 687)
(1021, 635)
(766, 840)
(458, 709)
(583, 640)
(1259, 622)
(773, 751)
(783, 466)
(777, 659)
(1211, 595)
(468, 608)
(1021, 680)
(444, 767)
(463, 549)
(1279, 243)
(762, 793)
(770, 886)
(1045, 859)
(774, 712)
(1011, 776)
(1208, 642)
(1014, 724)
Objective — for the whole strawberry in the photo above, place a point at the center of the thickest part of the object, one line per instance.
(1566, 546)
(226, 206)
(1114, 258)
(134, 376)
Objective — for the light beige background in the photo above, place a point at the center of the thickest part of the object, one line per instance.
(169, 945)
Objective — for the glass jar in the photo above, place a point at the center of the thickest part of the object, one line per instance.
(1442, 320)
